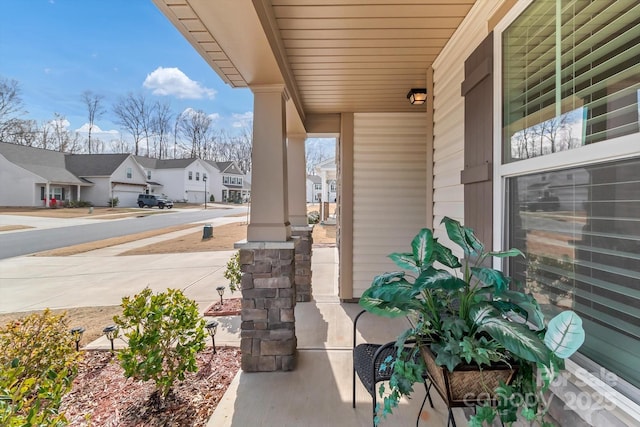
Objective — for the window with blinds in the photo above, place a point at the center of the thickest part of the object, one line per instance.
(580, 230)
(571, 76)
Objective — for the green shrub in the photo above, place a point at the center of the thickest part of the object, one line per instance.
(38, 364)
(77, 204)
(113, 202)
(212, 198)
(233, 273)
(313, 217)
(165, 332)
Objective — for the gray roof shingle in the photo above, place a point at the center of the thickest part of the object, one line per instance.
(48, 164)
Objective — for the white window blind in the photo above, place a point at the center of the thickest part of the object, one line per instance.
(571, 76)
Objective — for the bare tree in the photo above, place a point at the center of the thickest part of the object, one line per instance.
(316, 152)
(133, 115)
(63, 140)
(196, 127)
(93, 102)
(10, 107)
(161, 128)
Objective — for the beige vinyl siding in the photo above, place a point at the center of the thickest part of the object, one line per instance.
(389, 186)
(448, 142)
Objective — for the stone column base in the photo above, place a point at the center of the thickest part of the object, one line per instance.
(267, 336)
(303, 253)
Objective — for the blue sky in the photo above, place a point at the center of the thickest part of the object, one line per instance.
(57, 49)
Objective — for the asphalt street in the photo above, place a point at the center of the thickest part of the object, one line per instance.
(70, 232)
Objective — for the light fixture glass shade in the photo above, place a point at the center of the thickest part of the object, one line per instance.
(417, 96)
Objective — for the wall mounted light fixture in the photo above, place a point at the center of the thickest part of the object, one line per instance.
(417, 96)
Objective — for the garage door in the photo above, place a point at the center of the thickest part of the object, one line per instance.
(127, 196)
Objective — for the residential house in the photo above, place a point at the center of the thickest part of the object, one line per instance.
(328, 179)
(314, 188)
(33, 177)
(230, 184)
(506, 90)
(112, 175)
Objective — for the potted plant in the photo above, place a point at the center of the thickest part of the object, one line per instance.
(468, 318)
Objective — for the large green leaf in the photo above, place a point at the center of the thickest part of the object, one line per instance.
(405, 261)
(491, 278)
(422, 247)
(392, 299)
(433, 278)
(564, 334)
(385, 278)
(462, 236)
(535, 317)
(515, 337)
(505, 254)
(445, 256)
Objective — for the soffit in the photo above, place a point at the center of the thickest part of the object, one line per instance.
(333, 55)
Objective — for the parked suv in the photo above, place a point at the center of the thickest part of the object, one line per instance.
(151, 200)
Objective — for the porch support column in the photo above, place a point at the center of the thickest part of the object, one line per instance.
(297, 180)
(47, 199)
(267, 260)
(269, 190)
(300, 228)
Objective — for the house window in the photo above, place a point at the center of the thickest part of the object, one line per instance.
(317, 186)
(225, 180)
(56, 193)
(239, 180)
(574, 216)
(197, 176)
(129, 173)
(569, 80)
(332, 187)
(204, 176)
(190, 176)
(148, 174)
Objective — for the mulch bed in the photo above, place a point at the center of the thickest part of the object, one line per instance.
(102, 396)
(230, 307)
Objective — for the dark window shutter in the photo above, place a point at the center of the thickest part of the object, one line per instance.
(477, 175)
(41, 193)
(63, 194)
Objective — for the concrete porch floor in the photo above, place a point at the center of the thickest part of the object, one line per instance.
(318, 391)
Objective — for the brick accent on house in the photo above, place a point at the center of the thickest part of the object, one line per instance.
(303, 253)
(267, 337)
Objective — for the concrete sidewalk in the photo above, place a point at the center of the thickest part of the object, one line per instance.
(100, 278)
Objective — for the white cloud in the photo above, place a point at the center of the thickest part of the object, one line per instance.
(97, 132)
(214, 116)
(173, 82)
(242, 120)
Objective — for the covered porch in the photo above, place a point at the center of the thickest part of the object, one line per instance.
(318, 392)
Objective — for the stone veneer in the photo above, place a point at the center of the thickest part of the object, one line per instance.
(303, 253)
(268, 336)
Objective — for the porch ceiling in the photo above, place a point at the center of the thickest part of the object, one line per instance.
(332, 55)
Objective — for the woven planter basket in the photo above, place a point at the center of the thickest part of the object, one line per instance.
(467, 384)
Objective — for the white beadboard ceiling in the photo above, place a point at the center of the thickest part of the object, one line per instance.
(332, 55)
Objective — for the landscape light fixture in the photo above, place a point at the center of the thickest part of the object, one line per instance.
(204, 180)
(76, 333)
(111, 332)
(211, 327)
(220, 290)
(417, 96)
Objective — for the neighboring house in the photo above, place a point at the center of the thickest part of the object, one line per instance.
(96, 178)
(112, 175)
(514, 90)
(328, 180)
(230, 184)
(314, 188)
(33, 177)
